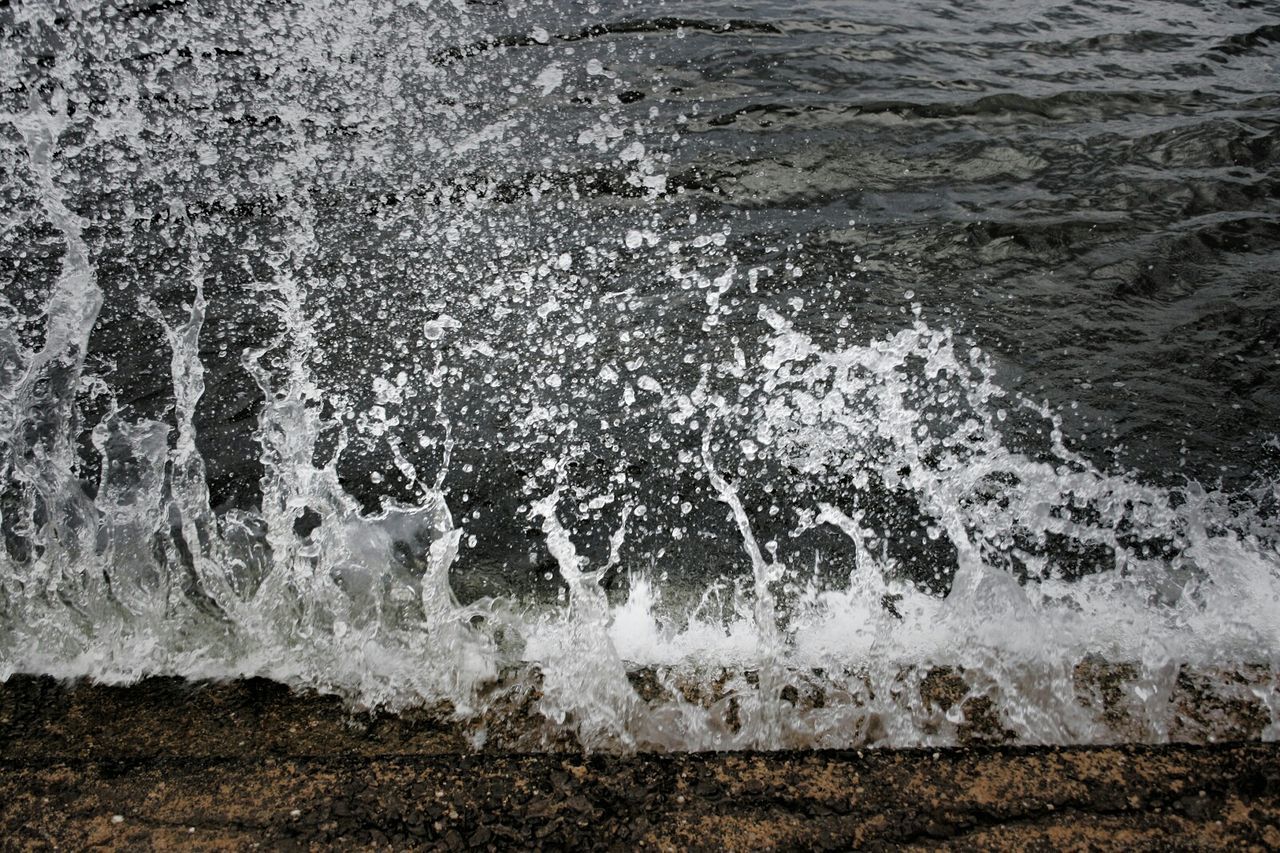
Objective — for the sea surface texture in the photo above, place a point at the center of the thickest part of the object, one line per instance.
(684, 375)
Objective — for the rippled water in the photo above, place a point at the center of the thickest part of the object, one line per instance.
(771, 351)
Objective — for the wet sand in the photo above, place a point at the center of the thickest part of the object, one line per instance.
(168, 764)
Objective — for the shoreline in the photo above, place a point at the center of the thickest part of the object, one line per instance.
(167, 763)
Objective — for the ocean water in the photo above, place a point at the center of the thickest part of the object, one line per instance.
(702, 375)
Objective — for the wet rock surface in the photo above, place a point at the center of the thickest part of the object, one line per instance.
(167, 764)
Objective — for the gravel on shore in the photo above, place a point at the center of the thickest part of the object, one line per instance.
(166, 764)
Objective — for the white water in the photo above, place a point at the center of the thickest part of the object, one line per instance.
(139, 575)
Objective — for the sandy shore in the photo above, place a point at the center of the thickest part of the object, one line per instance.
(168, 764)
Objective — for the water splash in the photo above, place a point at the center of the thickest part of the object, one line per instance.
(351, 238)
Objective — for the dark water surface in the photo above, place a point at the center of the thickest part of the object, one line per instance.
(919, 291)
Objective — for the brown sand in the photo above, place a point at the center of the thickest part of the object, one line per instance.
(165, 764)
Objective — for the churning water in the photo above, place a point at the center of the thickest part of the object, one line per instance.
(715, 374)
